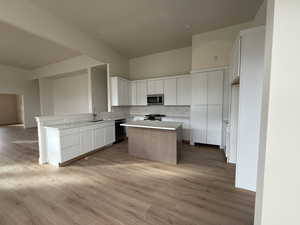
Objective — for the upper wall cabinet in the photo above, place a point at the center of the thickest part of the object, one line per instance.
(132, 93)
(155, 87)
(141, 92)
(170, 91)
(119, 91)
(184, 90)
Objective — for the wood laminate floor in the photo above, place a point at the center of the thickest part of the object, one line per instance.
(113, 188)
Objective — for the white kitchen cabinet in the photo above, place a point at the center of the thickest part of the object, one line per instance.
(199, 124)
(86, 139)
(99, 137)
(199, 89)
(184, 90)
(141, 92)
(132, 93)
(119, 91)
(155, 87)
(207, 107)
(214, 124)
(125, 92)
(109, 134)
(170, 91)
(66, 144)
(215, 87)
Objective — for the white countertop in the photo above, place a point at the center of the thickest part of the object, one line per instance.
(75, 125)
(153, 125)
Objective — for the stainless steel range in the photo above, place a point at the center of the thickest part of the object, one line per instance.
(157, 117)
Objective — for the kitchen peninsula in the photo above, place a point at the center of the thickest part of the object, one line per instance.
(155, 140)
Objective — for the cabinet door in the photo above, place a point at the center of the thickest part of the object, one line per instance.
(99, 136)
(159, 86)
(110, 136)
(151, 87)
(184, 88)
(199, 124)
(132, 93)
(214, 125)
(141, 92)
(155, 87)
(86, 140)
(126, 92)
(199, 89)
(215, 87)
(114, 89)
(170, 89)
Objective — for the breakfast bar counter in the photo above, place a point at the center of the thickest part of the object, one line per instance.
(155, 140)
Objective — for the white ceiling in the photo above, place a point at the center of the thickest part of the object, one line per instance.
(24, 50)
(141, 27)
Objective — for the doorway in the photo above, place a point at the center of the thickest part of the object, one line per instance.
(11, 109)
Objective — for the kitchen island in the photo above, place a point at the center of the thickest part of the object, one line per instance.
(155, 140)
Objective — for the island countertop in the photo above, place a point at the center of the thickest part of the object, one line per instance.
(153, 125)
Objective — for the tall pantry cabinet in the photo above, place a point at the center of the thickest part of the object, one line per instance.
(206, 108)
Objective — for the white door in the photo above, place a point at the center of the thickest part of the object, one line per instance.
(199, 89)
(199, 123)
(155, 87)
(214, 124)
(86, 140)
(141, 92)
(114, 86)
(184, 90)
(215, 87)
(99, 136)
(126, 92)
(132, 93)
(170, 90)
(110, 136)
(159, 86)
(151, 87)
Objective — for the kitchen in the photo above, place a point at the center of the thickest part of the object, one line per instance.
(162, 127)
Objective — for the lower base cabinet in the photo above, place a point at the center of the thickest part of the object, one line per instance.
(206, 124)
(64, 145)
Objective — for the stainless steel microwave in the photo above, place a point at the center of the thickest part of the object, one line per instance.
(155, 99)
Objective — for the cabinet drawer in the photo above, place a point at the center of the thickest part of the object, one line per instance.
(69, 131)
(70, 153)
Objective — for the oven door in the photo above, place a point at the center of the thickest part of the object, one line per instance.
(155, 99)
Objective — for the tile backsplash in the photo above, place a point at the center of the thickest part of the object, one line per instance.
(176, 111)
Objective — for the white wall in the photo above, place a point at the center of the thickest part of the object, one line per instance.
(15, 81)
(174, 62)
(71, 94)
(66, 66)
(278, 193)
(212, 49)
(250, 104)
